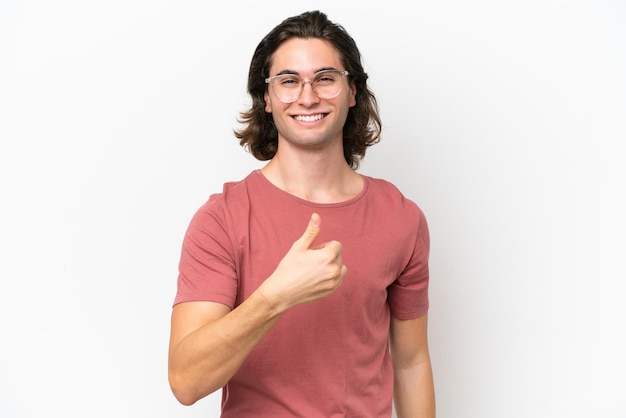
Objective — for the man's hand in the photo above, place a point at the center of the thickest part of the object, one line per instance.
(306, 273)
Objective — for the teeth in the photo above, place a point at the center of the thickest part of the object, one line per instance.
(310, 118)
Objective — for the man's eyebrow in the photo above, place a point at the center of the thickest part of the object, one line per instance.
(326, 69)
(292, 72)
(285, 72)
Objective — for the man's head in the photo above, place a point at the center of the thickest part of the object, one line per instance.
(362, 127)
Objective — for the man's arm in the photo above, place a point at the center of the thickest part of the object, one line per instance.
(414, 392)
(209, 342)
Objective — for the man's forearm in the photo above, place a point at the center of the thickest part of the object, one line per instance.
(205, 360)
(414, 391)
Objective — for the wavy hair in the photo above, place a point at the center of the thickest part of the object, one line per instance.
(363, 126)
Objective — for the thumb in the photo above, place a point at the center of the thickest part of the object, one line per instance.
(311, 232)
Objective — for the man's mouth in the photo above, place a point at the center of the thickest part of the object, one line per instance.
(309, 118)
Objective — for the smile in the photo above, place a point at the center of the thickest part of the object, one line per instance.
(309, 118)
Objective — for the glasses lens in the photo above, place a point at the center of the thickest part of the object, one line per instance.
(327, 84)
(287, 87)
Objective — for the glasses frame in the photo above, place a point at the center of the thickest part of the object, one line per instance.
(308, 80)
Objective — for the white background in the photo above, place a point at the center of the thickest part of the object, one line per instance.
(503, 120)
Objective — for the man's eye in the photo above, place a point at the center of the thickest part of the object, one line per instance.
(290, 82)
(326, 79)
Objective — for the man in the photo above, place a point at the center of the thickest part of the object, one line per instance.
(266, 308)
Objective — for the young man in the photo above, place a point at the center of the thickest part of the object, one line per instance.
(303, 288)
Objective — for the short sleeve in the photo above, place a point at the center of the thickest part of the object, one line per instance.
(207, 267)
(408, 294)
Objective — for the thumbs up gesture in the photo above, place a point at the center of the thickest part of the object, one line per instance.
(306, 273)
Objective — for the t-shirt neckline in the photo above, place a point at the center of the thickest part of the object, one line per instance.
(257, 173)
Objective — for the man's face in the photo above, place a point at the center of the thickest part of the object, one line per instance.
(309, 121)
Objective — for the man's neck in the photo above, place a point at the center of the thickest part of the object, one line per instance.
(316, 176)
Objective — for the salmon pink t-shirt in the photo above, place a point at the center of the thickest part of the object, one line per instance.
(328, 358)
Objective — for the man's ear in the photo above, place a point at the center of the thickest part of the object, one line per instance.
(352, 94)
(268, 103)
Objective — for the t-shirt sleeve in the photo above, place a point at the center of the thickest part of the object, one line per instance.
(207, 268)
(408, 295)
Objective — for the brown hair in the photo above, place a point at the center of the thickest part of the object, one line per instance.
(363, 126)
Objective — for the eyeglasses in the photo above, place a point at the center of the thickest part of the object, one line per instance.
(288, 87)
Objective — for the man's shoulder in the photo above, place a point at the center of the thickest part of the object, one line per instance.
(379, 187)
(239, 186)
(234, 190)
(397, 205)
(382, 185)
(233, 195)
